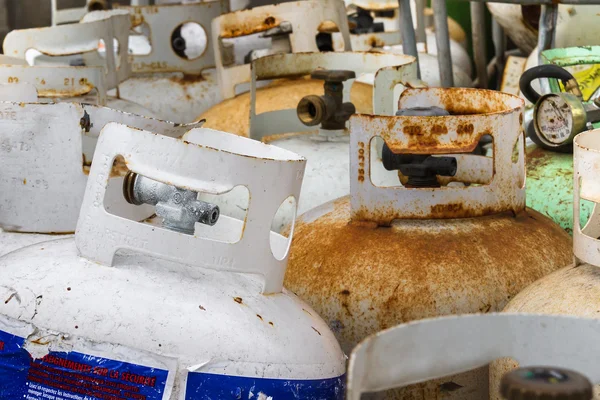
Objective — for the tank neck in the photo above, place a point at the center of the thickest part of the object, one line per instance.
(586, 164)
(305, 17)
(98, 28)
(389, 70)
(202, 161)
(178, 36)
(487, 185)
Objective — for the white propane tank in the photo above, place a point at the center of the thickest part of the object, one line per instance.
(45, 154)
(416, 352)
(131, 310)
(327, 172)
(390, 41)
(95, 43)
(173, 59)
(576, 25)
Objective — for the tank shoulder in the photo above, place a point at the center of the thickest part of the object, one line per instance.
(196, 313)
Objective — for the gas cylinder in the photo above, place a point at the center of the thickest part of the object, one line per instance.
(370, 34)
(46, 154)
(553, 351)
(173, 59)
(572, 290)
(457, 238)
(194, 308)
(293, 27)
(94, 46)
(550, 158)
(576, 24)
(316, 125)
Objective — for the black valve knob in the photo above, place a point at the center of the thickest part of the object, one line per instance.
(540, 383)
(328, 110)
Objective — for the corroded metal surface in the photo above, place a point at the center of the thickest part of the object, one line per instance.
(475, 113)
(362, 278)
(305, 18)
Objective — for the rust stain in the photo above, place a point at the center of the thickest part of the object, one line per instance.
(316, 330)
(40, 342)
(119, 168)
(202, 308)
(375, 41)
(241, 24)
(417, 269)
(238, 300)
(232, 115)
(271, 323)
(12, 295)
(24, 181)
(259, 317)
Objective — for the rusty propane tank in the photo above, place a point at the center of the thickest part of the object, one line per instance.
(389, 254)
(573, 290)
(45, 159)
(551, 348)
(118, 310)
(294, 27)
(315, 126)
(91, 61)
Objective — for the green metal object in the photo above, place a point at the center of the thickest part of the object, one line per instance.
(550, 186)
(550, 174)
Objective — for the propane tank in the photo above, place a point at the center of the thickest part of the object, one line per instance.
(122, 306)
(417, 352)
(91, 62)
(576, 25)
(572, 290)
(456, 239)
(316, 126)
(558, 115)
(46, 154)
(368, 34)
(295, 27)
(173, 59)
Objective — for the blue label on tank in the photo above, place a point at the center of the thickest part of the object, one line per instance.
(201, 386)
(73, 376)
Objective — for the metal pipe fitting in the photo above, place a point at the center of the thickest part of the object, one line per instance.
(328, 110)
(180, 209)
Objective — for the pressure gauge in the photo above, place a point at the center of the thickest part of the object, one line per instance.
(558, 118)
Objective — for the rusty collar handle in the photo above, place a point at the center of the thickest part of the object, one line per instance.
(547, 71)
(535, 383)
(328, 110)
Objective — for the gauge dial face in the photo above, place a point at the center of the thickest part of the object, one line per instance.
(554, 119)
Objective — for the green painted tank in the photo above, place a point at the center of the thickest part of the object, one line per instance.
(550, 162)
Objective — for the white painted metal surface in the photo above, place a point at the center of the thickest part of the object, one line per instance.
(586, 163)
(68, 15)
(175, 87)
(305, 18)
(433, 348)
(161, 308)
(327, 171)
(452, 134)
(96, 42)
(45, 152)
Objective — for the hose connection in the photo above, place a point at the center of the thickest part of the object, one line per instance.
(328, 110)
(180, 209)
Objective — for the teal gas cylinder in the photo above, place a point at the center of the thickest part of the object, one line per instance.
(558, 116)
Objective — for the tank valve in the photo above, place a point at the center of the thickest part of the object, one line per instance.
(545, 383)
(328, 110)
(421, 169)
(179, 208)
